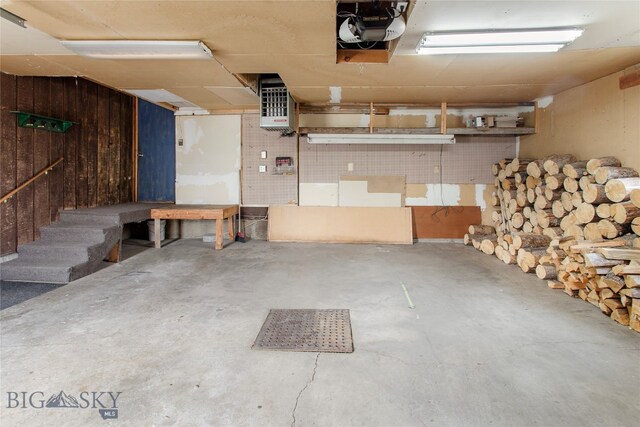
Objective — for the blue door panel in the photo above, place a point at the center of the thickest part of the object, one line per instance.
(156, 153)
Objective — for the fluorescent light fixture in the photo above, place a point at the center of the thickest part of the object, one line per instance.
(378, 138)
(453, 50)
(505, 41)
(139, 49)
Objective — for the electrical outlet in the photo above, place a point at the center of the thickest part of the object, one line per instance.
(401, 6)
(263, 154)
(180, 142)
(262, 168)
(436, 169)
(350, 167)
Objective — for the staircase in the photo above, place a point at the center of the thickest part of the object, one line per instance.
(75, 246)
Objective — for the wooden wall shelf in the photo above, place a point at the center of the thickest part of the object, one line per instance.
(363, 130)
(419, 131)
(443, 129)
(491, 131)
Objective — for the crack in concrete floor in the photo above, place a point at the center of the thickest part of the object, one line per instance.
(313, 377)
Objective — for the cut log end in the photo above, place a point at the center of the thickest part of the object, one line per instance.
(546, 272)
(594, 164)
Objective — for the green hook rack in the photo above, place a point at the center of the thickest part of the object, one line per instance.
(36, 121)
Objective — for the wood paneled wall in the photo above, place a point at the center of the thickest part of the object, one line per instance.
(97, 151)
(592, 120)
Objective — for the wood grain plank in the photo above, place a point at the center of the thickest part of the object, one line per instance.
(56, 147)
(84, 127)
(630, 80)
(134, 151)
(114, 147)
(70, 144)
(437, 222)
(8, 155)
(41, 146)
(103, 146)
(97, 152)
(90, 137)
(194, 212)
(328, 224)
(25, 162)
(355, 56)
(126, 139)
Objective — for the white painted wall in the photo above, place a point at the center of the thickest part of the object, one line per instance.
(208, 162)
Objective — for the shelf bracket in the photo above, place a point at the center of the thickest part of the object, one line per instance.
(371, 117)
(443, 118)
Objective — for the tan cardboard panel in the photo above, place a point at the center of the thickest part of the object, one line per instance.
(16, 40)
(593, 120)
(353, 178)
(200, 97)
(467, 194)
(32, 65)
(379, 183)
(425, 95)
(313, 70)
(226, 26)
(236, 96)
(416, 190)
(256, 63)
(340, 224)
(572, 67)
(297, 40)
(355, 193)
(400, 121)
(386, 184)
(149, 74)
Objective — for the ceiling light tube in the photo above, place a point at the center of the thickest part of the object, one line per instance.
(525, 48)
(139, 49)
(376, 138)
(478, 38)
(503, 41)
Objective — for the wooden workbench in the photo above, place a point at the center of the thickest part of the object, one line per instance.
(217, 212)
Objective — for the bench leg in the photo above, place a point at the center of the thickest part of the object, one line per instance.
(219, 228)
(156, 231)
(231, 228)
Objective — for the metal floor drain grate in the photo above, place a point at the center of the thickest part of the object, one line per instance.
(306, 330)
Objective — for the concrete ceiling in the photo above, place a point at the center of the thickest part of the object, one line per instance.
(297, 40)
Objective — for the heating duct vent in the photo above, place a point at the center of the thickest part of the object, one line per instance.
(277, 107)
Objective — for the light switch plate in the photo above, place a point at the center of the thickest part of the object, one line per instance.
(350, 167)
(263, 154)
(262, 168)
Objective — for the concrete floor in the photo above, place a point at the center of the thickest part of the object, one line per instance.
(12, 293)
(172, 330)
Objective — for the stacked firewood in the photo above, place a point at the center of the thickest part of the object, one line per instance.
(605, 273)
(570, 222)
